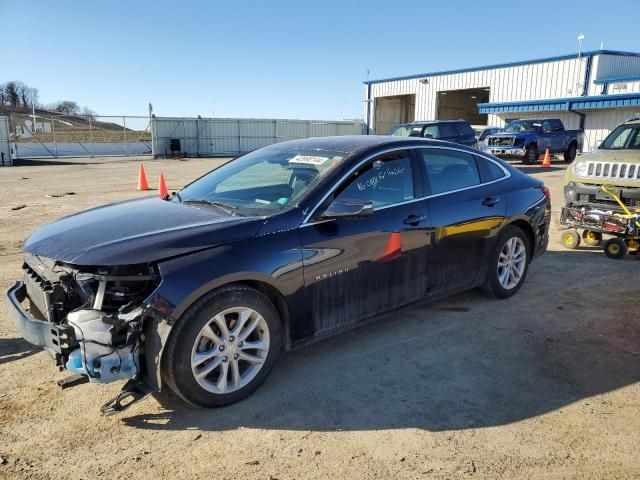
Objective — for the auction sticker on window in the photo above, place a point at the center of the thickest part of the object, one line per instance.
(308, 159)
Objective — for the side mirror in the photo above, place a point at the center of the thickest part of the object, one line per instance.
(428, 135)
(348, 208)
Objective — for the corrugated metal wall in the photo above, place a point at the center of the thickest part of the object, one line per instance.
(624, 87)
(536, 81)
(233, 136)
(611, 66)
(5, 151)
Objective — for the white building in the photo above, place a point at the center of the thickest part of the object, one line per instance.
(594, 91)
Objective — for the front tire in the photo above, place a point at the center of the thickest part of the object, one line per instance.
(223, 347)
(615, 248)
(570, 152)
(530, 155)
(508, 264)
(570, 239)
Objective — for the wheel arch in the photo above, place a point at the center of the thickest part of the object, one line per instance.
(155, 350)
(527, 228)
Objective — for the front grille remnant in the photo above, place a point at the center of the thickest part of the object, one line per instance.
(501, 141)
(611, 171)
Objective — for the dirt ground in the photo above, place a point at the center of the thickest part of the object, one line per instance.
(543, 385)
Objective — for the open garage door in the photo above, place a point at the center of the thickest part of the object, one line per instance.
(390, 111)
(463, 104)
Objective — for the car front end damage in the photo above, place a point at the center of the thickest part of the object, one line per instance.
(502, 145)
(92, 320)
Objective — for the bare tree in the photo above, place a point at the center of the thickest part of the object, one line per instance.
(33, 96)
(67, 106)
(13, 99)
(3, 94)
(87, 112)
(21, 90)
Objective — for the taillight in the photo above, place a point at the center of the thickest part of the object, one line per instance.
(546, 191)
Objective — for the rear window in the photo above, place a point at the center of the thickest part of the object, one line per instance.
(446, 130)
(449, 170)
(489, 171)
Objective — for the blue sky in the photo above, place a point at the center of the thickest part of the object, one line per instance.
(282, 59)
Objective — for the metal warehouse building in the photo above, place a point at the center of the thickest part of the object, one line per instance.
(594, 91)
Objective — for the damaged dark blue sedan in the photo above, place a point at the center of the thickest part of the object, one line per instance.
(288, 244)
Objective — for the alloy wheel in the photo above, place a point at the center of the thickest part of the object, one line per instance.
(230, 350)
(512, 262)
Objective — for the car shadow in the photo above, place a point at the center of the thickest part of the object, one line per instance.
(12, 349)
(463, 362)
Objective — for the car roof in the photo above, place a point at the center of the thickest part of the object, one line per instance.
(536, 119)
(351, 144)
(433, 122)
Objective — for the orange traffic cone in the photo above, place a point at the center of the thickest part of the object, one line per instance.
(546, 161)
(142, 179)
(162, 187)
(393, 247)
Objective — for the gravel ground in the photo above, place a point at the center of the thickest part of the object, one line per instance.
(544, 385)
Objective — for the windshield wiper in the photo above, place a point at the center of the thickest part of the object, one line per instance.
(225, 207)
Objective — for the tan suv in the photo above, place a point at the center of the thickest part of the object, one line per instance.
(615, 164)
(602, 194)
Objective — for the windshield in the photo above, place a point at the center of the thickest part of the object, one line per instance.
(520, 126)
(262, 182)
(623, 137)
(401, 130)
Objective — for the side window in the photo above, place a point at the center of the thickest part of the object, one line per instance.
(446, 130)
(431, 131)
(489, 171)
(449, 170)
(556, 125)
(384, 181)
(415, 132)
(546, 126)
(464, 129)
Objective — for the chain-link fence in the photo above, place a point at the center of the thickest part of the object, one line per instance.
(198, 137)
(34, 135)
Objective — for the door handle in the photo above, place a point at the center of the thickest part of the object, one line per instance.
(490, 201)
(414, 219)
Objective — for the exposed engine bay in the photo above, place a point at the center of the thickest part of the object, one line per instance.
(96, 315)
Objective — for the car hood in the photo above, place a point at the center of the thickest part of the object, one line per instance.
(626, 156)
(512, 134)
(137, 231)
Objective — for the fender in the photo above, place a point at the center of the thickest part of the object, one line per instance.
(276, 262)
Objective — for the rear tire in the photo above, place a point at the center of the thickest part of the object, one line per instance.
(570, 152)
(591, 238)
(531, 155)
(223, 347)
(615, 248)
(508, 263)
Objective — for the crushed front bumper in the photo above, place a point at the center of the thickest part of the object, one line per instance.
(592, 195)
(52, 337)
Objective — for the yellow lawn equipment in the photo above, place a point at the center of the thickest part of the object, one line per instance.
(623, 227)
